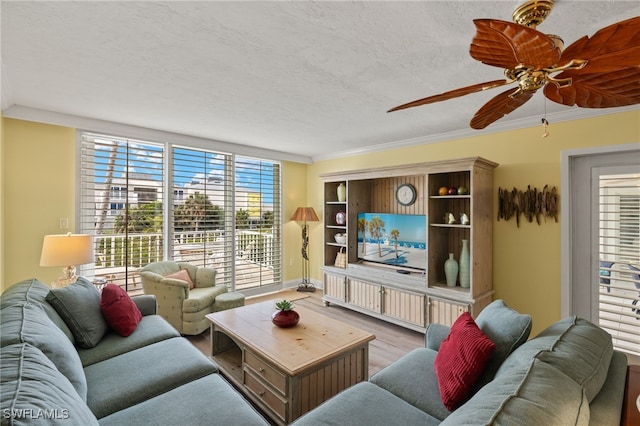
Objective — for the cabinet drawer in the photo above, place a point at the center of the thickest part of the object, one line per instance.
(266, 371)
(264, 394)
(445, 312)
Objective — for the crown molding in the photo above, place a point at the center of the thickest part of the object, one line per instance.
(125, 130)
(522, 123)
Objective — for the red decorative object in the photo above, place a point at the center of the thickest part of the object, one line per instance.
(340, 218)
(285, 319)
(462, 357)
(120, 312)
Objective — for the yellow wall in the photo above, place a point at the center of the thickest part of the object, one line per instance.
(294, 182)
(39, 189)
(38, 162)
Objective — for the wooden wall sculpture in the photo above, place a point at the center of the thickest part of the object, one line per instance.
(532, 203)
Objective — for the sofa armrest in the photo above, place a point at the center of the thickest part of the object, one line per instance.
(146, 303)
(436, 333)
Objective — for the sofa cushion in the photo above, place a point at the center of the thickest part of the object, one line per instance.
(174, 362)
(79, 306)
(365, 404)
(506, 328)
(606, 407)
(196, 407)
(34, 291)
(118, 310)
(574, 346)
(151, 329)
(536, 392)
(28, 323)
(181, 275)
(34, 391)
(462, 357)
(413, 379)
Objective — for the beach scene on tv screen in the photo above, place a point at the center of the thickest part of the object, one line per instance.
(393, 239)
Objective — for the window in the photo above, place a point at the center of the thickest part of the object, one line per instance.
(257, 218)
(121, 192)
(619, 259)
(228, 217)
(223, 211)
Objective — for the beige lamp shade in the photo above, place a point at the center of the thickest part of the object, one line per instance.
(305, 214)
(66, 250)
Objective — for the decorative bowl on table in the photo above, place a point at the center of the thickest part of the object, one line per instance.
(340, 238)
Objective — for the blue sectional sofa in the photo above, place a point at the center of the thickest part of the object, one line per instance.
(152, 376)
(567, 375)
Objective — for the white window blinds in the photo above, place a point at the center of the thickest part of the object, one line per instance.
(619, 259)
(202, 211)
(257, 218)
(226, 215)
(121, 196)
(145, 202)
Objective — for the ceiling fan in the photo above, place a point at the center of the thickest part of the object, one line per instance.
(598, 72)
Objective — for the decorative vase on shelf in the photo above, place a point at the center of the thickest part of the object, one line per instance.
(451, 270)
(342, 193)
(465, 271)
(285, 316)
(340, 218)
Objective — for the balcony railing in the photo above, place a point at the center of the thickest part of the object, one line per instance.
(118, 257)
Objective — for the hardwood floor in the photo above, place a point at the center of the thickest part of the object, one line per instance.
(391, 341)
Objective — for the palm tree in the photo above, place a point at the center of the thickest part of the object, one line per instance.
(376, 229)
(106, 194)
(193, 212)
(362, 227)
(395, 234)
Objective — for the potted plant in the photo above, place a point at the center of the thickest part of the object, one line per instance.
(285, 316)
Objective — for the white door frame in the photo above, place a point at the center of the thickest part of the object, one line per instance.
(576, 222)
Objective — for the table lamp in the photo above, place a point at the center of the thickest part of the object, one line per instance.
(305, 214)
(66, 250)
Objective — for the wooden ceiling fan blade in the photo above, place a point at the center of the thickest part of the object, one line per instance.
(611, 48)
(452, 94)
(507, 44)
(499, 106)
(613, 61)
(607, 90)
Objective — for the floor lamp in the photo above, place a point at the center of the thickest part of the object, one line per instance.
(304, 215)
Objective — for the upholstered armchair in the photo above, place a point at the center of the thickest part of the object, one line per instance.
(185, 308)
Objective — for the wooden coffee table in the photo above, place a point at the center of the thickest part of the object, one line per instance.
(287, 371)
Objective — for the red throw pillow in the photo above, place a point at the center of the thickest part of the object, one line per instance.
(120, 312)
(183, 275)
(462, 357)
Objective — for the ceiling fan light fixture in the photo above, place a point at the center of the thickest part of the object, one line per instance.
(532, 13)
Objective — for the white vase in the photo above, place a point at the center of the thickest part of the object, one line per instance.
(451, 270)
(342, 193)
(465, 268)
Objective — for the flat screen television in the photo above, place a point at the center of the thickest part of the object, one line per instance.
(393, 239)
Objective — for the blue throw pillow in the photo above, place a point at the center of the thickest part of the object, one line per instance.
(507, 328)
(79, 306)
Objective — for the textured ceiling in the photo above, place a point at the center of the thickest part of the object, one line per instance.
(308, 78)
